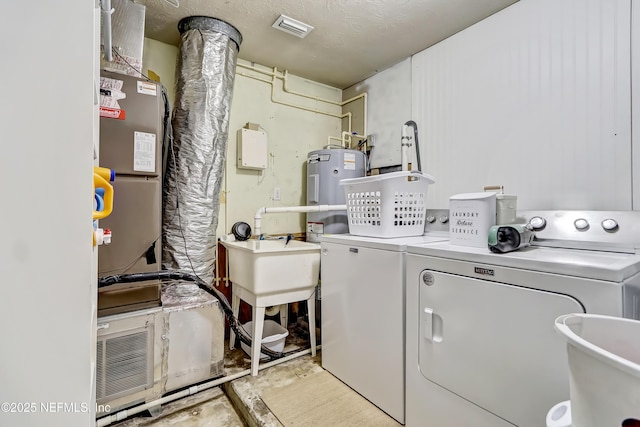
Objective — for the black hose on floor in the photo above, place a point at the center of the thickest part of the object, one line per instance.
(180, 275)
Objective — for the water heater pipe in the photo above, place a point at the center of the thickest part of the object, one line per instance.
(257, 219)
(342, 104)
(346, 134)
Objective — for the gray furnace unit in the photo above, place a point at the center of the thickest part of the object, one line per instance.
(325, 169)
(131, 133)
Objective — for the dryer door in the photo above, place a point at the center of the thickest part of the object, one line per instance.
(494, 344)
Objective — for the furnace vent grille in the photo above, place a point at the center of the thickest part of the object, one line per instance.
(122, 365)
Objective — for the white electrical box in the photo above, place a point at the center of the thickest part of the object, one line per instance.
(252, 149)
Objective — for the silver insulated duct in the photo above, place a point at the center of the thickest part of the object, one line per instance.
(195, 161)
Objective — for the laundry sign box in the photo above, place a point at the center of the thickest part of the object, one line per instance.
(470, 217)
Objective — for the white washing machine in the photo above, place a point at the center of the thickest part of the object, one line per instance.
(481, 347)
(362, 288)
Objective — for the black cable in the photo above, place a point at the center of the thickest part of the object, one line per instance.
(366, 155)
(129, 64)
(179, 275)
(126, 267)
(169, 133)
(177, 207)
(135, 277)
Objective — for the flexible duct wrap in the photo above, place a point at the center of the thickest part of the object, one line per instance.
(195, 164)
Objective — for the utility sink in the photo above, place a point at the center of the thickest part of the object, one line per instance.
(269, 266)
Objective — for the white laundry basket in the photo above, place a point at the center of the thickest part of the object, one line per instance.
(604, 365)
(388, 205)
(273, 337)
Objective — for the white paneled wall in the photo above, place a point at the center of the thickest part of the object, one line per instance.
(635, 100)
(536, 98)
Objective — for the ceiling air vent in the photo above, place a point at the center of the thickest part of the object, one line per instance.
(292, 26)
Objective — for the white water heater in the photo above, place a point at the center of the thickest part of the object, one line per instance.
(325, 169)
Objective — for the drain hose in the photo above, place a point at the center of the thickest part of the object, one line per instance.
(180, 275)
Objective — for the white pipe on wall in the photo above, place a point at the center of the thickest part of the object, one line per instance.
(285, 88)
(334, 138)
(349, 134)
(364, 118)
(257, 219)
(288, 104)
(284, 76)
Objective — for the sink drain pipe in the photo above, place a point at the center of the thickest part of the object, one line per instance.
(180, 275)
(257, 218)
(125, 413)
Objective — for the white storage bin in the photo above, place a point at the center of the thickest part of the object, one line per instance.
(273, 336)
(604, 369)
(388, 205)
(506, 208)
(470, 217)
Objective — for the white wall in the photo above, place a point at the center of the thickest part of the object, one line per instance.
(388, 108)
(635, 99)
(292, 134)
(48, 289)
(535, 98)
(161, 58)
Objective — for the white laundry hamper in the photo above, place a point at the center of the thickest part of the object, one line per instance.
(388, 205)
(604, 369)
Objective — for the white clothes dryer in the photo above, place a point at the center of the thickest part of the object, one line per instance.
(363, 312)
(481, 347)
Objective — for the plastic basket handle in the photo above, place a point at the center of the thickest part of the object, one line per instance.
(418, 175)
(414, 176)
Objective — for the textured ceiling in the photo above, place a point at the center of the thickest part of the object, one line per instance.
(351, 40)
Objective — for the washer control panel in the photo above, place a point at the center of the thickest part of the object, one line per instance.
(606, 230)
(437, 220)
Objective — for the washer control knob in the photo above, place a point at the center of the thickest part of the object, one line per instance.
(430, 218)
(581, 224)
(537, 223)
(610, 224)
(444, 219)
